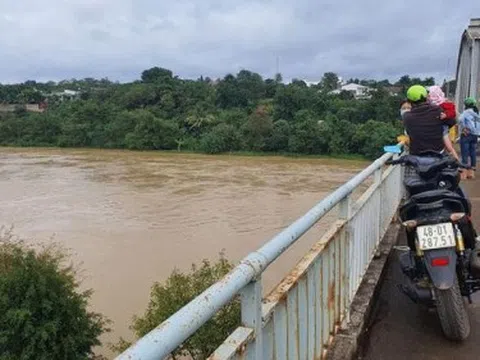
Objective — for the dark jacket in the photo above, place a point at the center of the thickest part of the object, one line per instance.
(425, 128)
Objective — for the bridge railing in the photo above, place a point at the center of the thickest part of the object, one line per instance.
(299, 318)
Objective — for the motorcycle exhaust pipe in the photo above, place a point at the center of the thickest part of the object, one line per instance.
(419, 295)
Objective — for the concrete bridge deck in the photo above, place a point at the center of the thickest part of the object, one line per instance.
(402, 330)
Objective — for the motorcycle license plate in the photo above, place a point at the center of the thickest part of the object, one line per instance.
(437, 236)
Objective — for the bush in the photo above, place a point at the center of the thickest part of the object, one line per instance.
(152, 133)
(222, 138)
(372, 136)
(177, 291)
(257, 129)
(43, 315)
(306, 136)
(278, 141)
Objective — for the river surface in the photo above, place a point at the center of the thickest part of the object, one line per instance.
(130, 218)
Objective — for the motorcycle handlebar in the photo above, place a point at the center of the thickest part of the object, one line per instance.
(406, 160)
(394, 162)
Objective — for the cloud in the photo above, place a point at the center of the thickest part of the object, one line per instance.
(120, 38)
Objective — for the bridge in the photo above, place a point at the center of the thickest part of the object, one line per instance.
(342, 293)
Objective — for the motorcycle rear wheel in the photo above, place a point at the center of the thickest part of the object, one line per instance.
(453, 313)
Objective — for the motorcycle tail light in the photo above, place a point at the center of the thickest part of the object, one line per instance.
(440, 261)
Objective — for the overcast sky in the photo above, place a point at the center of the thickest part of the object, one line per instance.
(58, 39)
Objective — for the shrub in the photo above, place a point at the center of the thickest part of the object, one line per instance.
(222, 138)
(43, 315)
(372, 136)
(177, 291)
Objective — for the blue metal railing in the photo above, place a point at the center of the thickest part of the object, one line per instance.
(301, 315)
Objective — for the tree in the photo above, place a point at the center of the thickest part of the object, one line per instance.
(404, 81)
(384, 83)
(221, 138)
(329, 81)
(156, 75)
(372, 136)
(251, 86)
(340, 133)
(429, 81)
(117, 130)
(41, 130)
(163, 112)
(289, 99)
(29, 96)
(257, 129)
(278, 140)
(270, 88)
(298, 82)
(369, 83)
(177, 291)
(229, 94)
(152, 133)
(346, 95)
(306, 137)
(139, 96)
(278, 78)
(43, 314)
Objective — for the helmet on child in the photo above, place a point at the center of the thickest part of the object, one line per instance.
(417, 93)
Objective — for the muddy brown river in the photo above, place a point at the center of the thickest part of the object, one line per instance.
(130, 218)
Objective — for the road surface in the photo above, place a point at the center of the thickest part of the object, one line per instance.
(401, 330)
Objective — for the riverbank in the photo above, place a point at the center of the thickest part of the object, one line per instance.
(287, 155)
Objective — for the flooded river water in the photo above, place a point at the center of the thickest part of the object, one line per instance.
(130, 218)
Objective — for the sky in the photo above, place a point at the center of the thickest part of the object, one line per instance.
(118, 39)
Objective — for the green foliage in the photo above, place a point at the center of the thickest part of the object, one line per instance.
(43, 314)
(156, 74)
(405, 82)
(222, 138)
(329, 81)
(177, 291)
(307, 136)
(278, 140)
(340, 134)
(291, 98)
(257, 129)
(373, 135)
(239, 112)
(151, 132)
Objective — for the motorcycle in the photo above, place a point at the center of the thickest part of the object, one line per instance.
(441, 263)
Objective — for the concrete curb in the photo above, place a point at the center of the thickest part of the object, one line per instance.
(347, 342)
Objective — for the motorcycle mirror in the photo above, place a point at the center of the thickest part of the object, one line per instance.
(395, 149)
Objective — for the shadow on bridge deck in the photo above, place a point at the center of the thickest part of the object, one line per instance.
(401, 330)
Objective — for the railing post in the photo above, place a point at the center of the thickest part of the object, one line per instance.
(378, 176)
(345, 208)
(380, 215)
(251, 302)
(345, 212)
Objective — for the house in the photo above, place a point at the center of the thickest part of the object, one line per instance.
(8, 108)
(359, 91)
(64, 95)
